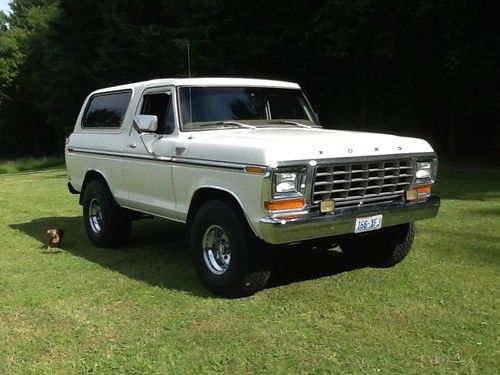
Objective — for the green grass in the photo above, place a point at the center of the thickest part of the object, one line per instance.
(141, 309)
(29, 164)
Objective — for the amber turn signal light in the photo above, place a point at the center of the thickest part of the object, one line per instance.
(255, 170)
(419, 192)
(285, 204)
(424, 190)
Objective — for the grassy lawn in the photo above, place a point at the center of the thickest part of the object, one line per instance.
(141, 309)
(27, 164)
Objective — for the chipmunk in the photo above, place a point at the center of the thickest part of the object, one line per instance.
(55, 237)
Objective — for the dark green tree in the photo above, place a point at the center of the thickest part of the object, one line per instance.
(424, 68)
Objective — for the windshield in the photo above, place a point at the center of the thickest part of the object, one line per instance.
(202, 107)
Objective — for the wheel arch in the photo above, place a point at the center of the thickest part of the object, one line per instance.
(207, 193)
(92, 175)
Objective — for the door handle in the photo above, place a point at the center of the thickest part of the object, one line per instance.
(132, 145)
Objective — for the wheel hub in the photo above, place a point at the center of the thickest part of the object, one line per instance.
(216, 249)
(95, 215)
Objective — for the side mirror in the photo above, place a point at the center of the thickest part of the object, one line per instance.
(145, 123)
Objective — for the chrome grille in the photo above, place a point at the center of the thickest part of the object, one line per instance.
(351, 184)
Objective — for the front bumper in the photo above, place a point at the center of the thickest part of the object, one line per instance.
(278, 231)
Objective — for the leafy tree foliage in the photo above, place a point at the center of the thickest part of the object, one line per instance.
(22, 47)
(4, 22)
(416, 67)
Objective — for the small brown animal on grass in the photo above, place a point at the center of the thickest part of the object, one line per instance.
(55, 237)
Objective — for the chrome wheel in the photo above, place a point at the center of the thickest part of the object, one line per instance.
(95, 215)
(216, 249)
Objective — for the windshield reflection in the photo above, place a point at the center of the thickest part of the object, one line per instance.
(202, 107)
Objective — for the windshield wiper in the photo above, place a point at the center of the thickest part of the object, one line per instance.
(287, 122)
(226, 123)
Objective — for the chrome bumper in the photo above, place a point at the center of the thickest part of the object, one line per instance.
(278, 231)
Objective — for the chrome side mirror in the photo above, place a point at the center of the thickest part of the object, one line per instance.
(145, 123)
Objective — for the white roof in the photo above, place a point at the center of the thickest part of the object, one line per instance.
(202, 82)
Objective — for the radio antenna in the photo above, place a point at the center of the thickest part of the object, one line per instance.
(189, 59)
(189, 75)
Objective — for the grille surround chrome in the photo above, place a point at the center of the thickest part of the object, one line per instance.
(358, 183)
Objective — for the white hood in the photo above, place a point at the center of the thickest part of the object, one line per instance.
(266, 146)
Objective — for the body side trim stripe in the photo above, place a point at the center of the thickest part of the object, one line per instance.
(174, 160)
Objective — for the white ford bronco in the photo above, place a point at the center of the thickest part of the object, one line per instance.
(244, 163)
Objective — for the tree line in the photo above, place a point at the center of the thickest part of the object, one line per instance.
(427, 68)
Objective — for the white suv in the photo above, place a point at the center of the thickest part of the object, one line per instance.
(244, 163)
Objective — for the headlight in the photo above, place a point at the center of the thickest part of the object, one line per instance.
(286, 182)
(289, 183)
(425, 171)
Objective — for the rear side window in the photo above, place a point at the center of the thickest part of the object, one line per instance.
(106, 110)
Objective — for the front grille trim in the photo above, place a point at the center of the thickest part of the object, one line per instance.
(357, 183)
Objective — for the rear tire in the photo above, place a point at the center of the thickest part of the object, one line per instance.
(106, 223)
(383, 248)
(227, 256)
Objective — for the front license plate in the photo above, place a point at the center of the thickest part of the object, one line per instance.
(366, 224)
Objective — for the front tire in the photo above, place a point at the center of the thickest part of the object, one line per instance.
(106, 223)
(383, 248)
(226, 254)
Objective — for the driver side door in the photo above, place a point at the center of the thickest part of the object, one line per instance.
(148, 177)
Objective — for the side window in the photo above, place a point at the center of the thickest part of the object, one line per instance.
(160, 105)
(106, 110)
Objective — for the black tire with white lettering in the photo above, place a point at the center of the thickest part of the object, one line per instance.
(106, 223)
(228, 257)
(382, 248)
